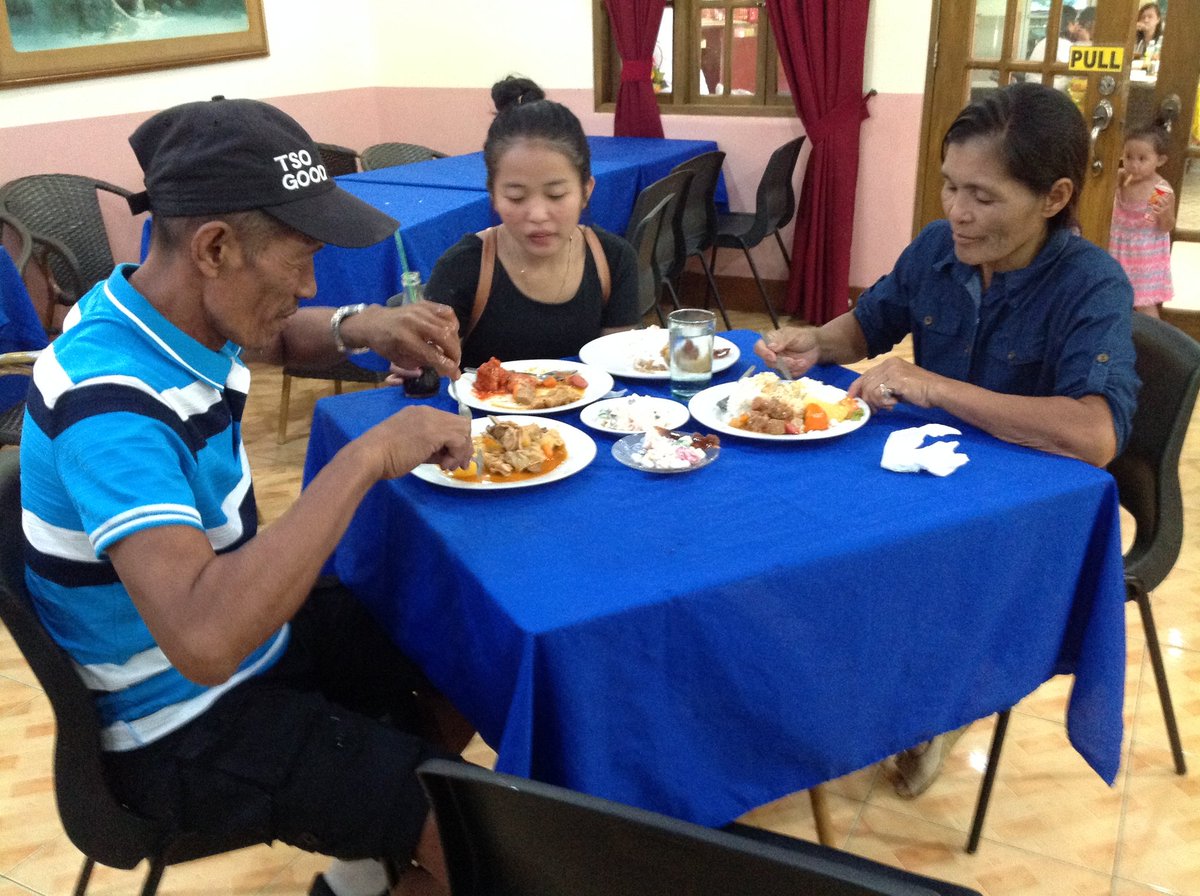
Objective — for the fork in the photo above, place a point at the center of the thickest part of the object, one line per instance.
(465, 413)
(723, 404)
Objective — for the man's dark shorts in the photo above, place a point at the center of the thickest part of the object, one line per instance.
(318, 752)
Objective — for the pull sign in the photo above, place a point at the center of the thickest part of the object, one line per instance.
(1096, 59)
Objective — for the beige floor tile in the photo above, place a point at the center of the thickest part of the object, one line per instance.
(1161, 827)
(792, 815)
(9, 888)
(1183, 678)
(927, 848)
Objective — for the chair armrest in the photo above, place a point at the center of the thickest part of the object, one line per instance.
(21, 258)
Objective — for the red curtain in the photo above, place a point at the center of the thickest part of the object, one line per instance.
(635, 25)
(822, 46)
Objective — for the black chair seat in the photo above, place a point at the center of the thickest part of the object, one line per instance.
(732, 229)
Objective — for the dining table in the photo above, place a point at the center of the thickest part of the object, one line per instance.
(621, 166)
(700, 644)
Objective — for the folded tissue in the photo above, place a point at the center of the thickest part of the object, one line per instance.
(904, 453)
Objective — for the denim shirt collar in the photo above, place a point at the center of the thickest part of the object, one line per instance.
(1005, 283)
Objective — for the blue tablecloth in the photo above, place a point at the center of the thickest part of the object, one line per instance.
(622, 166)
(20, 328)
(704, 643)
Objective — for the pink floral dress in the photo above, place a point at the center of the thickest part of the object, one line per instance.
(1144, 252)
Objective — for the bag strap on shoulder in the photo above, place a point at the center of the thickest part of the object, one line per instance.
(487, 269)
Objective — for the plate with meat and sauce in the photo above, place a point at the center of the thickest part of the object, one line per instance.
(532, 387)
(518, 452)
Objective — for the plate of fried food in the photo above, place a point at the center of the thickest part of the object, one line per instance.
(517, 452)
(531, 387)
(768, 407)
(642, 354)
(661, 450)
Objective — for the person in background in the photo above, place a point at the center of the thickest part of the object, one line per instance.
(232, 695)
(1149, 28)
(1019, 326)
(547, 296)
(1142, 219)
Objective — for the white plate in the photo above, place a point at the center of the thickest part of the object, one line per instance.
(661, 411)
(618, 352)
(598, 383)
(625, 450)
(580, 452)
(704, 408)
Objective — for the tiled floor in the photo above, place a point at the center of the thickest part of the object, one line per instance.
(1054, 827)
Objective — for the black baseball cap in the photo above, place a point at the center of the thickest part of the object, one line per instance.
(219, 156)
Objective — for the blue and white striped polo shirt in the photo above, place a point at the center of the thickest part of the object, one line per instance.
(131, 424)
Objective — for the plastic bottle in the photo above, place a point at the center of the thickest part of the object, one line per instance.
(429, 381)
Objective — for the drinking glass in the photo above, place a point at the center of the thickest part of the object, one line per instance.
(690, 333)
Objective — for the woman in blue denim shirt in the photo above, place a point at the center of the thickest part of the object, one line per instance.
(1020, 326)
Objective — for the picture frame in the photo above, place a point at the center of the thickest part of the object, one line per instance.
(43, 41)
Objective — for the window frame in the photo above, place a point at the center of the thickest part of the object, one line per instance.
(767, 101)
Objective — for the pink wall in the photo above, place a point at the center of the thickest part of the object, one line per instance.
(455, 121)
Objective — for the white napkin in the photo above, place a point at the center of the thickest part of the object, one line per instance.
(903, 452)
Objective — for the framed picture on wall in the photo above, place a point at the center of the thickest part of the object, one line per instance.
(60, 40)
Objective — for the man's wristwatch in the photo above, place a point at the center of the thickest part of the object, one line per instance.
(335, 325)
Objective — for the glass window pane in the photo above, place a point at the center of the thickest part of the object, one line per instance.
(982, 82)
(712, 35)
(743, 77)
(988, 38)
(663, 74)
(781, 87)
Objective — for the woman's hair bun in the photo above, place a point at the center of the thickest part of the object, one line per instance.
(514, 91)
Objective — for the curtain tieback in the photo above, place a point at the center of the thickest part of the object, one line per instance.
(848, 113)
(636, 70)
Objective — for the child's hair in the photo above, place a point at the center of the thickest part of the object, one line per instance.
(523, 113)
(1154, 134)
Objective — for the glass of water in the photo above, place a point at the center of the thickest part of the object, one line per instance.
(691, 332)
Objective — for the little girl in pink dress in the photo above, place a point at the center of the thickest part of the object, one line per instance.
(1143, 215)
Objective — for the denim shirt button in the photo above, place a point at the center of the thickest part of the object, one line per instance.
(928, 319)
(1102, 357)
(1012, 356)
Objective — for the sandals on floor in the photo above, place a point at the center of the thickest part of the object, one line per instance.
(918, 767)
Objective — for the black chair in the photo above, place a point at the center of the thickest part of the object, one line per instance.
(700, 217)
(668, 257)
(507, 835)
(645, 236)
(774, 206)
(69, 242)
(1147, 475)
(338, 160)
(102, 828)
(385, 155)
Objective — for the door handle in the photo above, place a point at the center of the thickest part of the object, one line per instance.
(1102, 117)
(1168, 110)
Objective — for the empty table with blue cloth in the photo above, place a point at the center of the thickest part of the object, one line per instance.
(622, 167)
(704, 643)
(431, 221)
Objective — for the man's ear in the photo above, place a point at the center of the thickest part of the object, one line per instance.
(1059, 195)
(214, 247)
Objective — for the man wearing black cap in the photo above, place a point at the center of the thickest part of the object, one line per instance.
(229, 697)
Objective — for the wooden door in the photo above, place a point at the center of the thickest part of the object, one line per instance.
(1173, 87)
(980, 45)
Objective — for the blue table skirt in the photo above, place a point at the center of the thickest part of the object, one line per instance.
(20, 328)
(702, 644)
